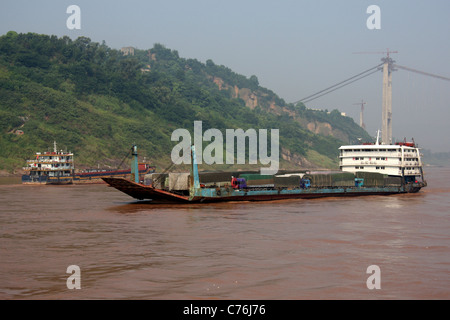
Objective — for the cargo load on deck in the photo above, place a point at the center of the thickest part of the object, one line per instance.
(320, 180)
(287, 181)
(371, 179)
(258, 180)
(393, 181)
(179, 181)
(157, 180)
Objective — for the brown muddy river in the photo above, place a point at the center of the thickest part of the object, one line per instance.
(294, 249)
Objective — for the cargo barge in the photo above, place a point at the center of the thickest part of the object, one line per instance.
(351, 180)
(95, 175)
(57, 168)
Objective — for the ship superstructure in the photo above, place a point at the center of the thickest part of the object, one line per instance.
(56, 167)
(401, 159)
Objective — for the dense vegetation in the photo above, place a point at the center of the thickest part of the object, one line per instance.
(96, 102)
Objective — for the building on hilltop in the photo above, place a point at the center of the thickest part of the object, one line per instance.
(127, 51)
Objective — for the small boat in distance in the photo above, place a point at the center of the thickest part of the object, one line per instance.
(50, 168)
(57, 168)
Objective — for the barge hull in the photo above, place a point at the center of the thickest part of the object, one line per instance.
(141, 192)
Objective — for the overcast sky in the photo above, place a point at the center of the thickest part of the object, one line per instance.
(295, 48)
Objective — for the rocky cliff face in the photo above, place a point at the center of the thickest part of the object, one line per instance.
(250, 98)
(255, 99)
(296, 159)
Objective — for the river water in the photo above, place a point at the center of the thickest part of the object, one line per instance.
(290, 249)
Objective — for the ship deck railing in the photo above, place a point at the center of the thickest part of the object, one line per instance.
(47, 169)
(50, 161)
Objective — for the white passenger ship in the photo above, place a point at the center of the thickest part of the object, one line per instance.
(401, 159)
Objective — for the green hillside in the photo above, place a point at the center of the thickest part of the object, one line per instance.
(97, 102)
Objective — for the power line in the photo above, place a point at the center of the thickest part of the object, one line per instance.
(360, 76)
(313, 96)
(422, 72)
(343, 85)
